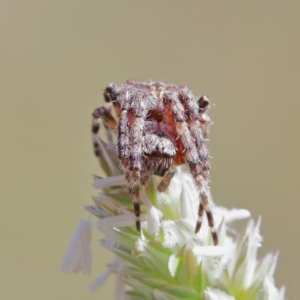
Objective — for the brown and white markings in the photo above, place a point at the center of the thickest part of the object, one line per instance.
(159, 126)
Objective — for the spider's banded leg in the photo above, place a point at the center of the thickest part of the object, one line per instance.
(124, 144)
(108, 134)
(204, 171)
(101, 148)
(104, 114)
(135, 196)
(194, 161)
(196, 132)
(130, 131)
(135, 157)
(109, 121)
(196, 115)
(204, 205)
(199, 219)
(199, 170)
(165, 182)
(205, 121)
(199, 166)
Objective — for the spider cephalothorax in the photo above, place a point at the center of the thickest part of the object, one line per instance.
(159, 126)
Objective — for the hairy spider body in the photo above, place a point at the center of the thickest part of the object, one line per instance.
(159, 126)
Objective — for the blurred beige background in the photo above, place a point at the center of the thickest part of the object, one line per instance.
(55, 59)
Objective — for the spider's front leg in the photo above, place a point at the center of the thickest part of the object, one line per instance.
(130, 135)
(199, 170)
(190, 134)
(101, 149)
(101, 113)
(198, 123)
(165, 182)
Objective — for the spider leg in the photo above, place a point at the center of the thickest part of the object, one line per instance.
(205, 121)
(131, 174)
(165, 182)
(131, 131)
(134, 191)
(100, 147)
(196, 114)
(197, 129)
(108, 130)
(191, 137)
(108, 120)
(135, 166)
(204, 205)
(103, 113)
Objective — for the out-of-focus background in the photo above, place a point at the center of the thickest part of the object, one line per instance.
(55, 59)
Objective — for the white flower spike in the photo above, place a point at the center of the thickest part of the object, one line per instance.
(167, 260)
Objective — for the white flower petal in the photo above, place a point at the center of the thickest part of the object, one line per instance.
(103, 199)
(119, 286)
(110, 268)
(254, 242)
(187, 207)
(170, 233)
(104, 148)
(173, 264)
(96, 211)
(104, 182)
(141, 243)
(265, 268)
(236, 214)
(271, 292)
(153, 219)
(153, 214)
(209, 251)
(78, 253)
(109, 203)
(99, 281)
(117, 221)
(215, 294)
(273, 265)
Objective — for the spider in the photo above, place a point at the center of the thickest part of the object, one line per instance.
(159, 126)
